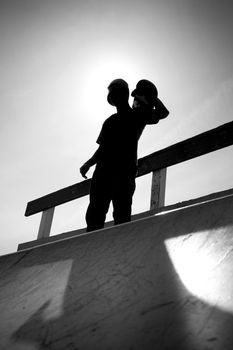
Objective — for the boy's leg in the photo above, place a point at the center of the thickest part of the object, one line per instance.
(122, 200)
(99, 203)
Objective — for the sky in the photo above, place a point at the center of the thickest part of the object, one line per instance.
(57, 59)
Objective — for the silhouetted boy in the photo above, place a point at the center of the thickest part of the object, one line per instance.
(116, 158)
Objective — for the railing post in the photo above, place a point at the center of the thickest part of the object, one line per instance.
(46, 223)
(158, 185)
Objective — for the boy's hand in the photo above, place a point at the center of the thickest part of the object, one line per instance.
(84, 169)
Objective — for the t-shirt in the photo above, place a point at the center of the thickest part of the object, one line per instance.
(119, 137)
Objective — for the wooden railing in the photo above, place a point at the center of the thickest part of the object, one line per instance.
(157, 163)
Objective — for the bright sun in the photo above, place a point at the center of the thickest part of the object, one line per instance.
(100, 72)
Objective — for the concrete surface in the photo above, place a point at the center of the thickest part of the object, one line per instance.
(163, 282)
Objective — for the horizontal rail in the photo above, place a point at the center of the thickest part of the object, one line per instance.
(193, 147)
(62, 196)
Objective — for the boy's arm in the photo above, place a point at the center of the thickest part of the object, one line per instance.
(150, 114)
(159, 112)
(92, 161)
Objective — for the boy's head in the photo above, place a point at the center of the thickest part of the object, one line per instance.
(118, 92)
(145, 93)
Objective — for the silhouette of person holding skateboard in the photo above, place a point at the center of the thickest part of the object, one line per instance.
(116, 158)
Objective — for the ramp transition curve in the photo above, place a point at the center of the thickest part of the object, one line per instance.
(162, 282)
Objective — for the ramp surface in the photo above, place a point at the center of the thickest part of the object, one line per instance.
(164, 282)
